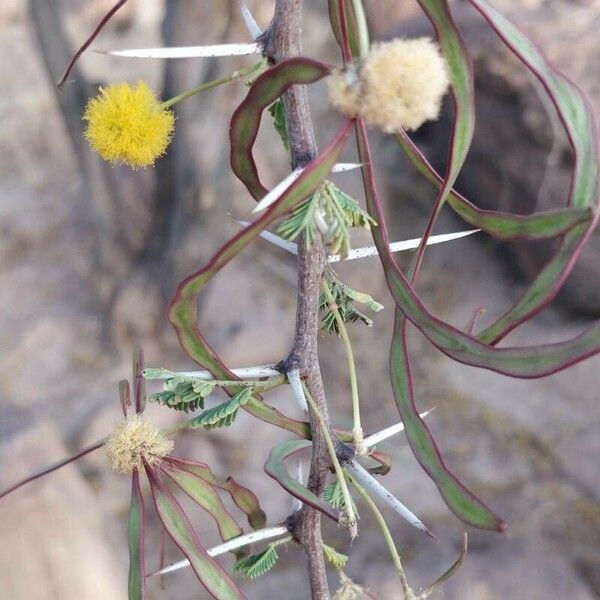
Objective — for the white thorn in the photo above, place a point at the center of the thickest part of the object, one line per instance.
(401, 246)
(366, 251)
(243, 373)
(278, 191)
(188, 51)
(296, 385)
(371, 484)
(343, 167)
(388, 432)
(283, 185)
(274, 239)
(251, 23)
(238, 542)
(296, 503)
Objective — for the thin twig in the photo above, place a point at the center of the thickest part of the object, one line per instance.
(283, 41)
(336, 465)
(53, 467)
(212, 84)
(408, 593)
(448, 573)
(357, 430)
(107, 17)
(238, 542)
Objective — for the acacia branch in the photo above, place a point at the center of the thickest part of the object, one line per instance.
(282, 41)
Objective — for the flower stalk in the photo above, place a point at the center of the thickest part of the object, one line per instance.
(214, 83)
(349, 505)
(357, 430)
(387, 536)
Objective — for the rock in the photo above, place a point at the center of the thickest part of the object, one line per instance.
(525, 164)
(53, 544)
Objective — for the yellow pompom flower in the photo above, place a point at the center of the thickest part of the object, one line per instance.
(128, 124)
(400, 86)
(135, 441)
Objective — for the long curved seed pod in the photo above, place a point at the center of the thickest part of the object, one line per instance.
(203, 494)
(460, 70)
(522, 362)
(246, 120)
(500, 225)
(519, 362)
(578, 120)
(177, 525)
(243, 498)
(351, 26)
(275, 468)
(182, 310)
(526, 362)
(136, 532)
(459, 499)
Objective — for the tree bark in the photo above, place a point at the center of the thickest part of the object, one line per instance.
(283, 40)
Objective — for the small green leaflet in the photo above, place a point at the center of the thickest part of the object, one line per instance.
(330, 211)
(257, 564)
(344, 297)
(277, 111)
(183, 394)
(222, 415)
(355, 216)
(334, 495)
(360, 297)
(300, 221)
(156, 373)
(337, 559)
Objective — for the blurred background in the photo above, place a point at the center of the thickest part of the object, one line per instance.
(90, 255)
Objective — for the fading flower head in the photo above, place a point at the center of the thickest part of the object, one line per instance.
(401, 85)
(135, 441)
(128, 124)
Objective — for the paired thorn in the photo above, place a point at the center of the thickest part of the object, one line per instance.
(390, 431)
(296, 503)
(411, 244)
(211, 51)
(284, 184)
(278, 191)
(372, 485)
(243, 373)
(249, 20)
(239, 542)
(296, 385)
(366, 251)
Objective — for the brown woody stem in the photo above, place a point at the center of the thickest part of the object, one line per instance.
(282, 41)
